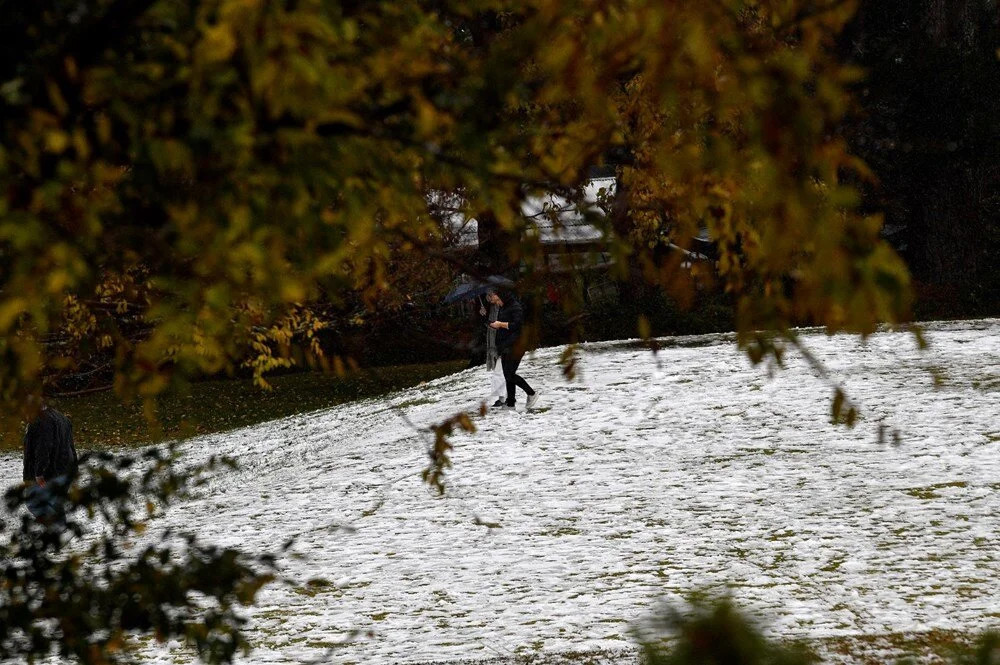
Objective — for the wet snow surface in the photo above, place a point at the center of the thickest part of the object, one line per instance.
(643, 479)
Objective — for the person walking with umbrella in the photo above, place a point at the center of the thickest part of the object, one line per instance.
(510, 321)
(475, 290)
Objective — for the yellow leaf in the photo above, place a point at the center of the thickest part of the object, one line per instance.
(56, 141)
(10, 310)
(218, 43)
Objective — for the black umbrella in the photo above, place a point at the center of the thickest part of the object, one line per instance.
(470, 290)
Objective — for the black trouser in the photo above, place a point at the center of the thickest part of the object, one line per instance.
(509, 360)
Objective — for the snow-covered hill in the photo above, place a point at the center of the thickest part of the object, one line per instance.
(643, 479)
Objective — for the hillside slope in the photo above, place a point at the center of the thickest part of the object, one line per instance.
(644, 479)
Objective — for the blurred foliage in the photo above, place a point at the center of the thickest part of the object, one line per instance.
(926, 124)
(712, 631)
(986, 651)
(195, 187)
(438, 450)
(85, 585)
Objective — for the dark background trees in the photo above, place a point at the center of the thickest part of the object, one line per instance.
(929, 127)
(226, 185)
(154, 162)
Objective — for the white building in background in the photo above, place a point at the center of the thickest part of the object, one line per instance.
(565, 228)
(571, 232)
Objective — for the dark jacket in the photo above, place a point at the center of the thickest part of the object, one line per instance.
(513, 314)
(48, 447)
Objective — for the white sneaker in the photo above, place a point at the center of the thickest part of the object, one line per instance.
(532, 400)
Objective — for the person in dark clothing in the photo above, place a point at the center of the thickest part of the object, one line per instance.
(49, 456)
(510, 321)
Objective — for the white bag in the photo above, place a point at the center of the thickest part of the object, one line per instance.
(498, 384)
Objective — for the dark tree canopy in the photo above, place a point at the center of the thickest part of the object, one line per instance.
(194, 186)
(930, 129)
